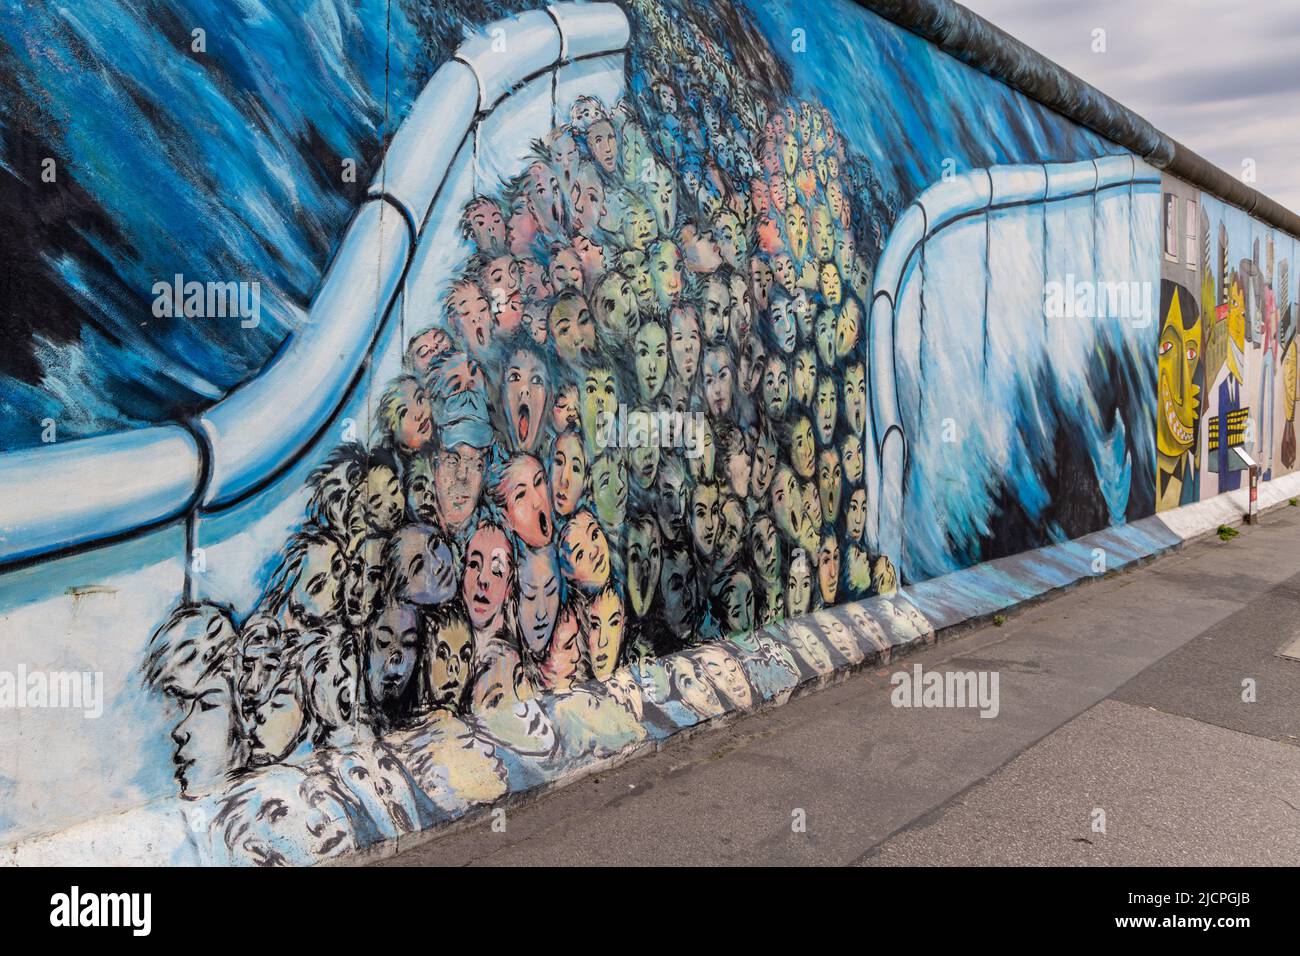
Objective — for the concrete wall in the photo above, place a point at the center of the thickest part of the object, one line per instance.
(438, 552)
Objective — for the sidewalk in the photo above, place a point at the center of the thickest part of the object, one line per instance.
(1201, 777)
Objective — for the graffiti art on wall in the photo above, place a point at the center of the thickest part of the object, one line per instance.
(633, 426)
(1227, 350)
(621, 473)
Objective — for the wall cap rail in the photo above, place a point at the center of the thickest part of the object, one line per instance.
(940, 205)
(246, 440)
(970, 38)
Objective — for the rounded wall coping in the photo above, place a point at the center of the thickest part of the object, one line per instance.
(254, 434)
(142, 478)
(270, 420)
(937, 207)
(970, 38)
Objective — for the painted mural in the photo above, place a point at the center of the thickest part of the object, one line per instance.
(617, 475)
(632, 426)
(1227, 350)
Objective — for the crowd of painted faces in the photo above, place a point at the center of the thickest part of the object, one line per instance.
(635, 427)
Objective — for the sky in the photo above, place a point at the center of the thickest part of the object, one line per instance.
(1221, 78)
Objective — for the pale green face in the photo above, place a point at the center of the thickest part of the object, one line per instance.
(650, 349)
(803, 449)
(855, 397)
(826, 337)
(830, 484)
(798, 585)
(787, 503)
(823, 233)
(598, 405)
(615, 304)
(805, 376)
(667, 274)
(851, 458)
(609, 487)
(848, 329)
(776, 388)
(827, 410)
(638, 226)
(855, 519)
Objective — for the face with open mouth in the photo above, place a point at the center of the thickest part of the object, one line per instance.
(830, 484)
(545, 199)
(486, 224)
(526, 499)
(472, 313)
(644, 561)
(796, 230)
(524, 394)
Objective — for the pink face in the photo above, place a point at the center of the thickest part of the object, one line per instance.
(508, 314)
(524, 393)
(527, 500)
(413, 425)
(473, 315)
(487, 577)
(568, 473)
(586, 552)
(544, 198)
(487, 226)
(560, 667)
(760, 199)
(501, 277)
(564, 413)
(779, 194)
(426, 347)
(769, 236)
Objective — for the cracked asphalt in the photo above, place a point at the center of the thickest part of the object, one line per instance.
(1122, 738)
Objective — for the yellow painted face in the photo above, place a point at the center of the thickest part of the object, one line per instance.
(1236, 330)
(1179, 356)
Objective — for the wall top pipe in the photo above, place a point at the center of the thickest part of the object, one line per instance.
(973, 40)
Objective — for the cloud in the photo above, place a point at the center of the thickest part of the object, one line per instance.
(1220, 78)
